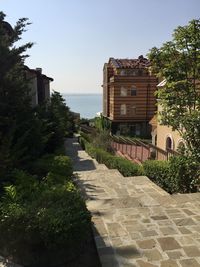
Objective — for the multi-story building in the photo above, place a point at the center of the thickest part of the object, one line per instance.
(39, 86)
(39, 83)
(128, 95)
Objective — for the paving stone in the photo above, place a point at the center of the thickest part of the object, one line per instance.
(147, 201)
(169, 263)
(135, 236)
(192, 251)
(148, 233)
(142, 263)
(159, 217)
(175, 254)
(168, 243)
(188, 212)
(115, 229)
(145, 221)
(178, 216)
(164, 223)
(189, 263)
(184, 222)
(171, 211)
(153, 255)
(134, 228)
(184, 230)
(186, 240)
(129, 252)
(146, 244)
(196, 228)
(168, 230)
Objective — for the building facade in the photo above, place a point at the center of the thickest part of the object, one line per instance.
(128, 96)
(162, 135)
(39, 86)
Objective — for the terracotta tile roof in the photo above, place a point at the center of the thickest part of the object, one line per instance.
(138, 63)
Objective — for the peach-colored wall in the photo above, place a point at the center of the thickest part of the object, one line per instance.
(163, 132)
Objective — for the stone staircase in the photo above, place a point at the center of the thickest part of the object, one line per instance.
(135, 222)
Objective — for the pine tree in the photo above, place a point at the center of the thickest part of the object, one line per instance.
(17, 120)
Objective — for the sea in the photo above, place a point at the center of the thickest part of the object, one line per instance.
(88, 105)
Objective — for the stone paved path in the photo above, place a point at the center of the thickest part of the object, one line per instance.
(135, 222)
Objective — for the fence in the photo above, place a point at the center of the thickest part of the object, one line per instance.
(135, 149)
(138, 150)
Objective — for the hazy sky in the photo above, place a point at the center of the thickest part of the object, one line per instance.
(74, 38)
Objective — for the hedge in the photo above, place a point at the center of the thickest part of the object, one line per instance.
(178, 175)
(125, 167)
(157, 171)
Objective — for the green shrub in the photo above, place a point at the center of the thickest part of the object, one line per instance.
(125, 167)
(158, 172)
(82, 141)
(178, 175)
(62, 165)
(87, 137)
(42, 225)
(184, 174)
(41, 166)
(102, 140)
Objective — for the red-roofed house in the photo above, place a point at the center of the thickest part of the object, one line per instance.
(128, 95)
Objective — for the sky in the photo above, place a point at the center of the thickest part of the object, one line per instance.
(74, 38)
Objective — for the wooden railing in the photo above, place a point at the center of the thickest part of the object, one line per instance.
(141, 151)
(135, 149)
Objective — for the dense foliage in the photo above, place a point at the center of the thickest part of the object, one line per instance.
(26, 133)
(16, 119)
(42, 220)
(178, 62)
(178, 175)
(60, 122)
(125, 167)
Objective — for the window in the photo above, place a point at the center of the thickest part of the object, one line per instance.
(123, 109)
(168, 143)
(132, 110)
(133, 91)
(123, 91)
(123, 72)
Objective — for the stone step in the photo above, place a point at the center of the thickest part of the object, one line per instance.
(100, 174)
(101, 167)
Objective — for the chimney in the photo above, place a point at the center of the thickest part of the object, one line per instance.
(39, 70)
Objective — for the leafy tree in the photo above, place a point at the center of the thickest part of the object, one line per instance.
(20, 137)
(60, 122)
(178, 62)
